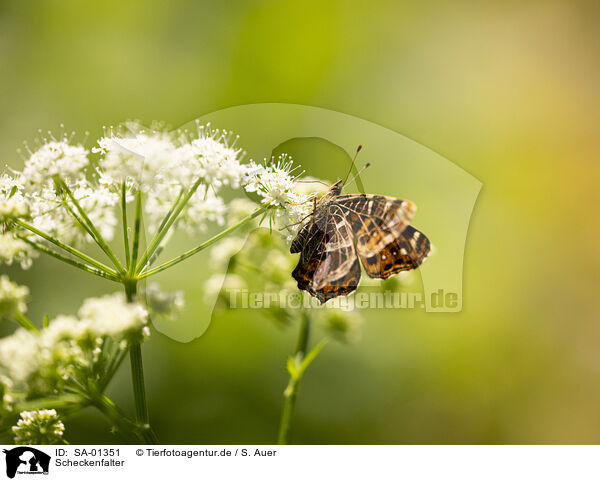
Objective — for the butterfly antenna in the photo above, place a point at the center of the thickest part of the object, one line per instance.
(352, 164)
(357, 174)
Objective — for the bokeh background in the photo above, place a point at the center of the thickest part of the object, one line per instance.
(506, 90)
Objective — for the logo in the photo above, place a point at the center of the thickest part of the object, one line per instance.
(26, 460)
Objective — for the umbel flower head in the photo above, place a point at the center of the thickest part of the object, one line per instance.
(161, 164)
(12, 298)
(12, 202)
(39, 427)
(15, 250)
(277, 185)
(68, 193)
(39, 194)
(13, 205)
(34, 364)
(163, 304)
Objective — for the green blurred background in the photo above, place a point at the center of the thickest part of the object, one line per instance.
(506, 90)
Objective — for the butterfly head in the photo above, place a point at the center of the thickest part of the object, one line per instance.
(336, 189)
(333, 192)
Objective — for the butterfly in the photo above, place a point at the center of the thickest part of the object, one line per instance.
(346, 231)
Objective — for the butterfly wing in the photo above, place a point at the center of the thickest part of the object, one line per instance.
(404, 253)
(385, 241)
(328, 265)
(302, 238)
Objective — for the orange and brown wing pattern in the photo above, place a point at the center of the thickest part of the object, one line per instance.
(385, 241)
(328, 265)
(404, 253)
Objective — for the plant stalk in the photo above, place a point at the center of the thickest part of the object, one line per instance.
(291, 392)
(166, 225)
(137, 376)
(93, 230)
(136, 234)
(68, 260)
(107, 407)
(124, 221)
(65, 247)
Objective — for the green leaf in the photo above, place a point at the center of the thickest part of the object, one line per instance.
(310, 357)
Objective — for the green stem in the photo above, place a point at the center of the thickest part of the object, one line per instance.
(155, 256)
(166, 225)
(171, 210)
(124, 221)
(73, 262)
(137, 376)
(139, 390)
(291, 392)
(24, 322)
(65, 247)
(136, 233)
(202, 246)
(94, 231)
(107, 407)
(303, 335)
(78, 219)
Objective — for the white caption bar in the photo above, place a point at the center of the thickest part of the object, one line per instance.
(300, 463)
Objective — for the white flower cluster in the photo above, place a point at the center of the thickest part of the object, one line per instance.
(342, 325)
(112, 316)
(278, 187)
(13, 205)
(12, 298)
(56, 157)
(14, 250)
(60, 179)
(163, 304)
(164, 165)
(39, 427)
(39, 363)
(35, 194)
(12, 202)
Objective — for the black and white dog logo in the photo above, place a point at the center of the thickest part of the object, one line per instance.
(25, 459)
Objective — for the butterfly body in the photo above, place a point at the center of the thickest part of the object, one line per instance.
(346, 231)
